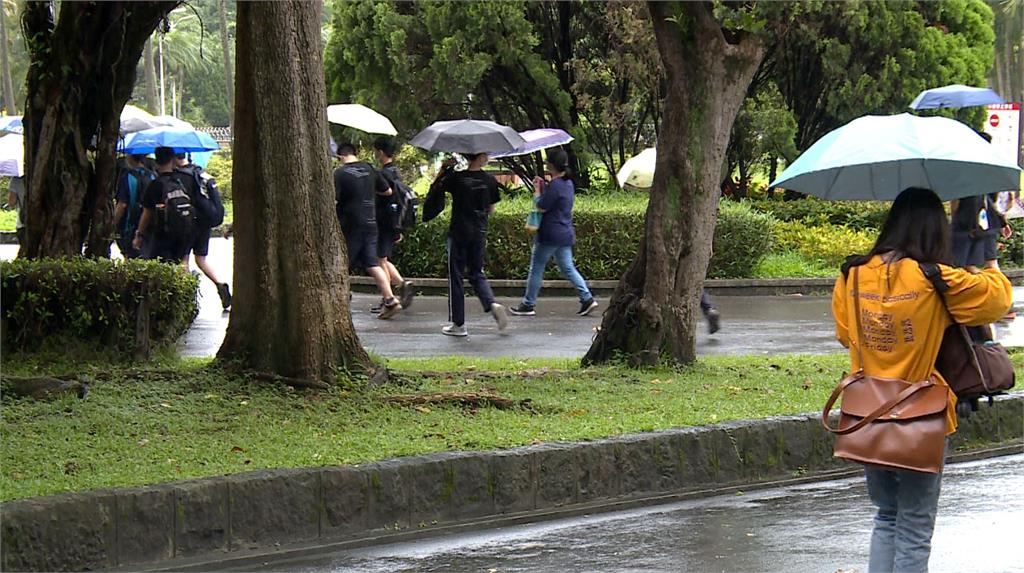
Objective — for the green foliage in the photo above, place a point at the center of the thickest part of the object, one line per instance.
(789, 265)
(860, 215)
(1011, 253)
(95, 302)
(743, 237)
(825, 245)
(158, 422)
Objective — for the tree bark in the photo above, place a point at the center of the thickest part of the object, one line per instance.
(290, 315)
(81, 75)
(653, 314)
(225, 45)
(149, 66)
(10, 102)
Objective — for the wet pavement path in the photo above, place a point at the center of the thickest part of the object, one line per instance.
(750, 325)
(820, 528)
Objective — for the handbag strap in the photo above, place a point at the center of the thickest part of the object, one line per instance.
(856, 318)
(877, 413)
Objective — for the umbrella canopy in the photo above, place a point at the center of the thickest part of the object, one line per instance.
(11, 124)
(181, 140)
(137, 119)
(536, 140)
(874, 158)
(468, 136)
(12, 155)
(638, 171)
(955, 96)
(360, 117)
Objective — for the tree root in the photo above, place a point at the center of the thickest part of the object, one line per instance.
(45, 387)
(293, 382)
(467, 399)
(485, 375)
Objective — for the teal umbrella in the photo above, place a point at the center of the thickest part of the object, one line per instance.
(874, 158)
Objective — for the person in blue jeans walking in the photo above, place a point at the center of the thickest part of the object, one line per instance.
(555, 237)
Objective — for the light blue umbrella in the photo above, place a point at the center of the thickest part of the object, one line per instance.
(181, 140)
(955, 96)
(874, 158)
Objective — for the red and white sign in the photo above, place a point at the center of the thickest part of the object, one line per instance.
(1004, 126)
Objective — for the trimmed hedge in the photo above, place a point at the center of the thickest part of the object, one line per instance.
(608, 232)
(859, 215)
(93, 301)
(827, 245)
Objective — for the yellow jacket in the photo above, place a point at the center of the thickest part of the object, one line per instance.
(903, 318)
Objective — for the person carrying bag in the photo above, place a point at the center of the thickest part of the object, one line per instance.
(896, 407)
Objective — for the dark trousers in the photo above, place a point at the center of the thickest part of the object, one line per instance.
(705, 302)
(466, 260)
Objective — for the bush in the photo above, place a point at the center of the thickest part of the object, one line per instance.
(608, 232)
(791, 265)
(1011, 253)
(93, 301)
(825, 245)
(860, 215)
(742, 238)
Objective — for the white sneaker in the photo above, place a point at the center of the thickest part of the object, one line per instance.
(452, 330)
(500, 315)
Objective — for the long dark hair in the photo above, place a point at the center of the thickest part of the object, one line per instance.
(916, 228)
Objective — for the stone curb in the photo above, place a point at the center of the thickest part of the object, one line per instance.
(266, 512)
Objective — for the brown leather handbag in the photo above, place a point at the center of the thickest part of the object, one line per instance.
(885, 421)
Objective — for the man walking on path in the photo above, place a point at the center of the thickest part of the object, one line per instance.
(200, 247)
(474, 193)
(387, 235)
(167, 224)
(356, 187)
(132, 182)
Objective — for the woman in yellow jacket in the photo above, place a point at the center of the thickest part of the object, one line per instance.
(903, 319)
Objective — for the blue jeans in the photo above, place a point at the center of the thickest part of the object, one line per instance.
(907, 502)
(563, 258)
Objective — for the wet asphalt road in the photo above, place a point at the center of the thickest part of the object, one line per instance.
(750, 325)
(813, 528)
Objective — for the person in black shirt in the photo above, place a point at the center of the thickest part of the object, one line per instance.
(474, 193)
(356, 186)
(132, 179)
(152, 238)
(387, 236)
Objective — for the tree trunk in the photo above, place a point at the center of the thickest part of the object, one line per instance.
(652, 317)
(81, 75)
(291, 315)
(225, 45)
(149, 65)
(10, 103)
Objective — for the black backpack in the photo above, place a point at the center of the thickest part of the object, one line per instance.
(209, 206)
(179, 214)
(405, 207)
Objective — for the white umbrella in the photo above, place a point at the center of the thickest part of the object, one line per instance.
(638, 171)
(137, 119)
(12, 155)
(360, 117)
(468, 136)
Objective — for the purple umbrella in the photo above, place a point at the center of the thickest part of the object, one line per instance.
(536, 140)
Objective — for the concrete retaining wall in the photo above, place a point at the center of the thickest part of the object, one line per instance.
(270, 511)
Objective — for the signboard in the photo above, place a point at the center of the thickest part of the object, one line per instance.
(1003, 124)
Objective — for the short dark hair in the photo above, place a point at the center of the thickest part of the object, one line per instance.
(916, 228)
(165, 155)
(347, 149)
(386, 145)
(140, 157)
(471, 157)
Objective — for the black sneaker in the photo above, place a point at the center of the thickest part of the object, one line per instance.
(390, 308)
(587, 306)
(407, 293)
(375, 309)
(714, 320)
(225, 295)
(522, 310)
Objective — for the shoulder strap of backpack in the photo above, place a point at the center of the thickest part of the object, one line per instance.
(934, 275)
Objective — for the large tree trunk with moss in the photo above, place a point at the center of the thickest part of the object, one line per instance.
(654, 312)
(290, 315)
(10, 105)
(81, 75)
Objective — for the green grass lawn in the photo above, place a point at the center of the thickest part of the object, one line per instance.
(174, 419)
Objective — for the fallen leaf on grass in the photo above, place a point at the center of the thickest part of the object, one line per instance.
(165, 404)
(237, 450)
(244, 403)
(423, 409)
(143, 442)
